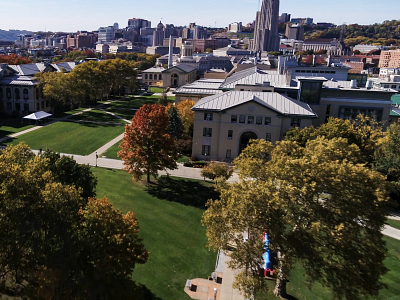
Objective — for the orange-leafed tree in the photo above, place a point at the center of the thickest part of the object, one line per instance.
(147, 146)
(14, 59)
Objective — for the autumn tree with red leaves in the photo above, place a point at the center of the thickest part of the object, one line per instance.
(14, 59)
(147, 146)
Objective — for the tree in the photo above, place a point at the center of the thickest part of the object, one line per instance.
(321, 209)
(53, 242)
(174, 123)
(147, 146)
(68, 172)
(187, 115)
(364, 132)
(163, 99)
(217, 171)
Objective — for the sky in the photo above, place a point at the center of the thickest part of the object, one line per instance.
(73, 15)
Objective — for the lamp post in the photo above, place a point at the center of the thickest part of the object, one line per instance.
(96, 158)
(215, 293)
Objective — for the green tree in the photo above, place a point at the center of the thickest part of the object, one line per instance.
(68, 172)
(163, 99)
(363, 132)
(217, 171)
(174, 123)
(56, 244)
(321, 209)
(147, 146)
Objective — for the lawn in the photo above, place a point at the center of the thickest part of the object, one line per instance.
(11, 126)
(70, 137)
(298, 290)
(97, 116)
(112, 151)
(393, 223)
(135, 102)
(156, 90)
(169, 217)
(61, 114)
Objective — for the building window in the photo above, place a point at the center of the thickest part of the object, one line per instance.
(394, 86)
(295, 122)
(230, 133)
(205, 150)
(17, 96)
(351, 113)
(145, 76)
(37, 106)
(208, 116)
(26, 94)
(310, 92)
(228, 153)
(9, 106)
(267, 121)
(150, 76)
(26, 107)
(1, 94)
(160, 77)
(18, 106)
(234, 119)
(8, 93)
(259, 120)
(42, 104)
(250, 120)
(207, 132)
(386, 86)
(268, 137)
(242, 119)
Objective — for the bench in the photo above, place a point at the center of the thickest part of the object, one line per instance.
(189, 284)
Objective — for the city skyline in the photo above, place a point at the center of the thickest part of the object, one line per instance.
(90, 15)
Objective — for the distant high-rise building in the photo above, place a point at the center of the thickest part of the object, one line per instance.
(138, 23)
(303, 21)
(266, 36)
(235, 27)
(106, 34)
(158, 35)
(116, 26)
(294, 31)
(284, 18)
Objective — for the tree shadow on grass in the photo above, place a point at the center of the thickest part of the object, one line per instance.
(186, 192)
(146, 294)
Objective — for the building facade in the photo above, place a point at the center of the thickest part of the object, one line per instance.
(390, 59)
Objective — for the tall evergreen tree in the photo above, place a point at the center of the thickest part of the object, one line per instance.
(175, 124)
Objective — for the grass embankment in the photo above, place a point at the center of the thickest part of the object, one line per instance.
(70, 137)
(95, 115)
(11, 126)
(112, 151)
(169, 216)
(156, 90)
(393, 223)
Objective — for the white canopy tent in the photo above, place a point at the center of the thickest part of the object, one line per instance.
(37, 116)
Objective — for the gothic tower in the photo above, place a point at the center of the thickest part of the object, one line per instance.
(266, 36)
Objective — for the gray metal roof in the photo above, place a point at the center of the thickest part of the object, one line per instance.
(183, 67)
(28, 69)
(154, 70)
(254, 76)
(67, 66)
(18, 80)
(274, 101)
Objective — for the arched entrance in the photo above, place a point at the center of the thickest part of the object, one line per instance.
(174, 80)
(245, 138)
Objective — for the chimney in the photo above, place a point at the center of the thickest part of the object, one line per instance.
(171, 50)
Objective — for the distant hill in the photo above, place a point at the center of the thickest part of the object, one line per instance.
(11, 35)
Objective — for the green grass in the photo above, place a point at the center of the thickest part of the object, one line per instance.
(183, 159)
(97, 116)
(156, 90)
(112, 151)
(70, 137)
(170, 225)
(393, 223)
(11, 126)
(298, 290)
(61, 114)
